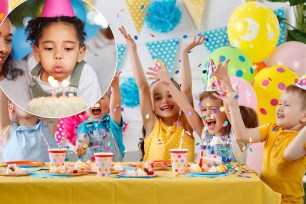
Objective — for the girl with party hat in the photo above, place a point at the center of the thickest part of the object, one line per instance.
(57, 39)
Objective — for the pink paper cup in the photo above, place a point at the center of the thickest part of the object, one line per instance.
(57, 157)
(178, 160)
(103, 163)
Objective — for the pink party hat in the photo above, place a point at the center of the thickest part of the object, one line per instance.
(211, 80)
(302, 82)
(54, 8)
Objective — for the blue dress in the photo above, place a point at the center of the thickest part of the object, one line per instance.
(105, 136)
(27, 143)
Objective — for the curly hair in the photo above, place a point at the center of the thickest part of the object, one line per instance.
(9, 71)
(36, 26)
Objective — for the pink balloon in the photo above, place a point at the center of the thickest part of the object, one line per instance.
(290, 54)
(255, 157)
(3, 9)
(247, 95)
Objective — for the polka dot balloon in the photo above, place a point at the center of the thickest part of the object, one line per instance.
(269, 84)
(239, 66)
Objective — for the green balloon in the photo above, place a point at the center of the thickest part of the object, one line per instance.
(240, 64)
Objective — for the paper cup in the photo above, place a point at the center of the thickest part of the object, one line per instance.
(103, 163)
(178, 160)
(57, 157)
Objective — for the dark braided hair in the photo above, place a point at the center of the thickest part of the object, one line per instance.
(35, 27)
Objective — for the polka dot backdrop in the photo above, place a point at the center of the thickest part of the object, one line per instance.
(239, 66)
(120, 53)
(137, 10)
(165, 50)
(268, 84)
(281, 13)
(216, 38)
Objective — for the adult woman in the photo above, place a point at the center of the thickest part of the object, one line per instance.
(14, 79)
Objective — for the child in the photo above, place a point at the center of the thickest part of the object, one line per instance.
(163, 125)
(58, 46)
(285, 141)
(27, 137)
(212, 124)
(103, 132)
(13, 75)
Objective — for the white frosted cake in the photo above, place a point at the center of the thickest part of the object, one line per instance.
(51, 107)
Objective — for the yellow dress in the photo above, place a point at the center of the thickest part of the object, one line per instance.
(163, 138)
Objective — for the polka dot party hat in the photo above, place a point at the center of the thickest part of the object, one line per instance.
(210, 81)
(302, 82)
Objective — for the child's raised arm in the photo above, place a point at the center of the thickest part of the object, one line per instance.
(115, 99)
(143, 86)
(230, 99)
(186, 85)
(192, 116)
(296, 148)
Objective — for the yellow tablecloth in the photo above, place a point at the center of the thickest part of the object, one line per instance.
(166, 188)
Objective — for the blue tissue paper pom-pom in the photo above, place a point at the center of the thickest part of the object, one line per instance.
(163, 15)
(129, 93)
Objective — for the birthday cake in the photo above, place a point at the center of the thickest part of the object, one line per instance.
(51, 107)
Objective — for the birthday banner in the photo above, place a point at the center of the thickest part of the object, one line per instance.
(281, 13)
(120, 54)
(137, 10)
(196, 10)
(216, 38)
(165, 50)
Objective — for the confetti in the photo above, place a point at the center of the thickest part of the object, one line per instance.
(148, 14)
(122, 109)
(236, 96)
(177, 71)
(121, 10)
(187, 132)
(135, 37)
(114, 110)
(142, 7)
(147, 116)
(105, 107)
(67, 160)
(215, 111)
(211, 117)
(85, 146)
(222, 109)
(199, 65)
(250, 140)
(197, 144)
(225, 123)
(92, 158)
(228, 95)
(97, 105)
(203, 117)
(152, 35)
(80, 141)
(185, 36)
(140, 138)
(104, 137)
(207, 104)
(251, 150)
(189, 113)
(51, 121)
(243, 148)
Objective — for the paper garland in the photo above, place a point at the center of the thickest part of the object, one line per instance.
(137, 10)
(120, 54)
(216, 38)
(281, 13)
(196, 10)
(165, 50)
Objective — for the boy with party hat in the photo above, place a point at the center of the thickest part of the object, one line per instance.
(285, 141)
(57, 39)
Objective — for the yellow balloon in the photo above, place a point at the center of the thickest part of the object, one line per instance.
(254, 28)
(14, 3)
(269, 84)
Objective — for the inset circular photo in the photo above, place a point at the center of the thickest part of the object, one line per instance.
(58, 57)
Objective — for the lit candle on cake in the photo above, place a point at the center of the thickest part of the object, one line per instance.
(54, 85)
(65, 84)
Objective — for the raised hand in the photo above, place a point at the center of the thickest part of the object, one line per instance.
(115, 80)
(129, 40)
(162, 75)
(229, 97)
(196, 41)
(221, 73)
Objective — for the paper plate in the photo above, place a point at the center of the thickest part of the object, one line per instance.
(125, 176)
(23, 174)
(24, 163)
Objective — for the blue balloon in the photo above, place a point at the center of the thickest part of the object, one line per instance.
(91, 30)
(79, 9)
(21, 47)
